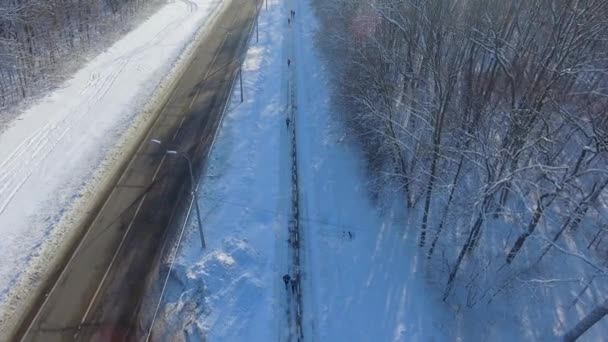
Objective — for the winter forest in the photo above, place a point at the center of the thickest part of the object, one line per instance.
(488, 118)
(41, 41)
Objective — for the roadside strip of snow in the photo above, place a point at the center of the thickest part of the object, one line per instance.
(60, 157)
(234, 291)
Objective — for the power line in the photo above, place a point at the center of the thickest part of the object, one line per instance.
(306, 219)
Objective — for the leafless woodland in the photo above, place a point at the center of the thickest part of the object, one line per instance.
(43, 41)
(489, 118)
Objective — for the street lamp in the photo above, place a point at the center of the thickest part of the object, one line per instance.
(194, 192)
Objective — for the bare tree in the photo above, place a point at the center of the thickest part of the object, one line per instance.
(41, 41)
(593, 317)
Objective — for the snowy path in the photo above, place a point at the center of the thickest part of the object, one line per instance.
(56, 156)
(295, 272)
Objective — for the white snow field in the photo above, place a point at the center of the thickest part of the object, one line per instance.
(58, 154)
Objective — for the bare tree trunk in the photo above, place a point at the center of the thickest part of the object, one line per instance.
(437, 129)
(466, 247)
(429, 192)
(446, 209)
(596, 236)
(581, 327)
(538, 213)
(577, 216)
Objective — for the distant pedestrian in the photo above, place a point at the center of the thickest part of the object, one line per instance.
(293, 286)
(286, 279)
(288, 62)
(287, 122)
(288, 21)
(293, 15)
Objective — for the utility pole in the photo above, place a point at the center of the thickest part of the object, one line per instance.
(241, 80)
(193, 186)
(195, 199)
(194, 194)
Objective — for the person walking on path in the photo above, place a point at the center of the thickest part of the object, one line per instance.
(288, 62)
(286, 279)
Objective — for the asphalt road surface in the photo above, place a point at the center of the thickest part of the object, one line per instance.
(97, 295)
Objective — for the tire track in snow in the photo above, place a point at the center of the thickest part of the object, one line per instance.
(32, 152)
(192, 6)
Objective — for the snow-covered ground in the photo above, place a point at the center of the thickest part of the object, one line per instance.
(364, 281)
(359, 284)
(57, 155)
(229, 292)
(364, 277)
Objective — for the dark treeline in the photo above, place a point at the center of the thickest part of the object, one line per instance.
(41, 41)
(490, 116)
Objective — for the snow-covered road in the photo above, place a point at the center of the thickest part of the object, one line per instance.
(57, 156)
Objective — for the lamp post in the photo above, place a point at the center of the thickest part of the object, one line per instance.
(241, 79)
(194, 193)
(193, 185)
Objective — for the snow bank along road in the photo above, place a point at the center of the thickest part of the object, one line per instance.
(98, 293)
